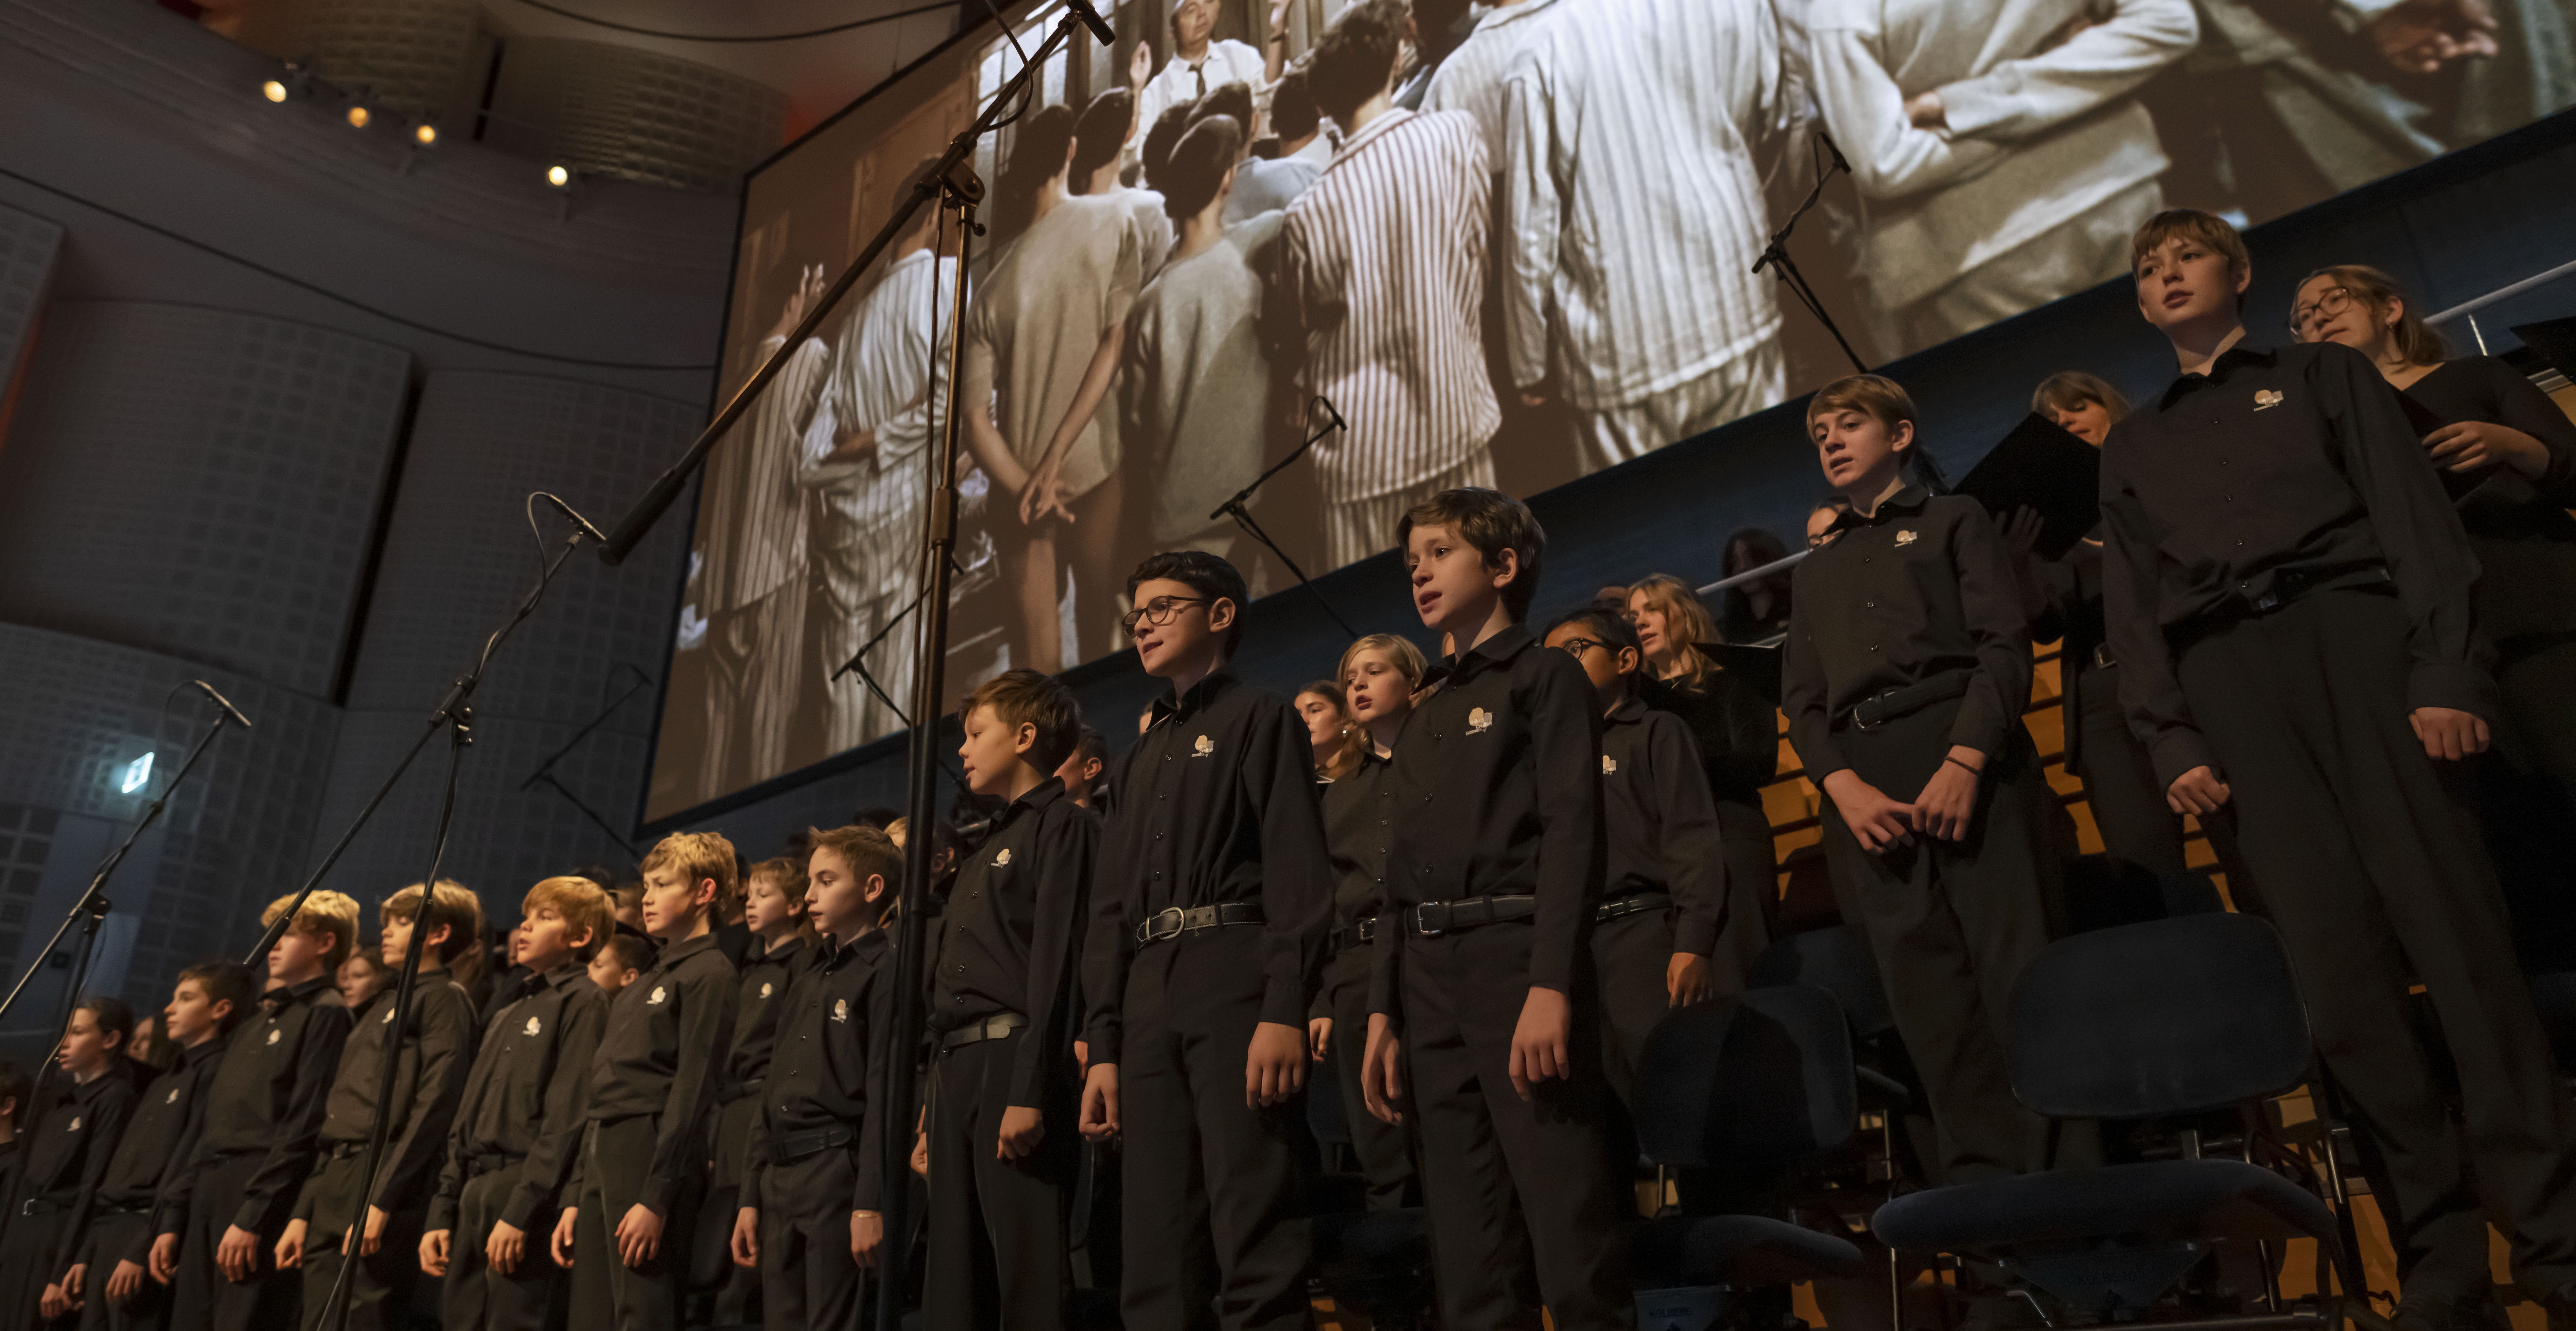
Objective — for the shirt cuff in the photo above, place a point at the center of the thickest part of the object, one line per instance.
(2464, 688)
(1970, 105)
(1695, 936)
(442, 1214)
(659, 1192)
(2178, 751)
(1284, 1003)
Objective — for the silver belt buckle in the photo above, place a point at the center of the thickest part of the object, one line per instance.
(1164, 923)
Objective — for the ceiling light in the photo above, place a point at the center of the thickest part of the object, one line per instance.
(138, 774)
(425, 134)
(358, 116)
(273, 90)
(558, 175)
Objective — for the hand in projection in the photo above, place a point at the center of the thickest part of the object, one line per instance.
(2421, 36)
(810, 283)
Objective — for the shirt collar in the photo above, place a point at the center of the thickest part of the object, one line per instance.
(785, 949)
(832, 958)
(1497, 650)
(1371, 132)
(2243, 353)
(1201, 696)
(1629, 712)
(674, 953)
(203, 1050)
(295, 993)
(1907, 499)
(564, 974)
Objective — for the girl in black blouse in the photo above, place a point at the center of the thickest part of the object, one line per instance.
(1319, 705)
(2508, 456)
(1738, 733)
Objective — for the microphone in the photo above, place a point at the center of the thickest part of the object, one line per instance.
(222, 702)
(1840, 163)
(1334, 412)
(577, 519)
(1082, 9)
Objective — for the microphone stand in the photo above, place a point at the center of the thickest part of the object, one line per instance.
(1775, 256)
(1234, 508)
(91, 910)
(546, 770)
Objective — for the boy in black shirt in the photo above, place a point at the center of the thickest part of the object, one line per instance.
(1488, 994)
(519, 1118)
(112, 1246)
(1663, 895)
(773, 910)
(63, 1161)
(813, 1167)
(432, 1054)
(1206, 945)
(1907, 670)
(641, 1169)
(1002, 1156)
(221, 1214)
(2287, 590)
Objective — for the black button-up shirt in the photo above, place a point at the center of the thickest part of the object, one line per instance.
(1737, 731)
(1661, 823)
(1917, 589)
(1216, 805)
(157, 1138)
(523, 1103)
(659, 1055)
(2276, 469)
(1498, 787)
(68, 1153)
(766, 974)
(1011, 939)
(266, 1097)
(431, 1060)
(829, 1069)
(2518, 525)
(1359, 831)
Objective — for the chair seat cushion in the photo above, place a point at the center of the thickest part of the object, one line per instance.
(2157, 1201)
(1741, 1250)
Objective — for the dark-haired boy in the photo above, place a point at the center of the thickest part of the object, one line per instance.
(112, 1243)
(221, 1213)
(335, 1218)
(1663, 893)
(1486, 998)
(519, 1118)
(813, 1168)
(1206, 946)
(640, 1171)
(1002, 1149)
(773, 907)
(2288, 596)
(63, 1160)
(1904, 678)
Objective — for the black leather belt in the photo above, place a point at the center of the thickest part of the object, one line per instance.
(125, 1208)
(1448, 917)
(990, 1028)
(344, 1150)
(2292, 583)
(1357, 933)
(42, 1206)
(741, 1090)
(1887, 705)
(795, 1146)
(1196, 919)
(1632, 904)
(2102, 658)
(480, 1165)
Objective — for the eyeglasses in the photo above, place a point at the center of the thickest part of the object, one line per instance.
(1576, 647)
(1158, 613)
(2334, 301)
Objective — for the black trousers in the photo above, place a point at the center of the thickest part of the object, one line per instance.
(380, 1289)
(607, 1294)
(2120, 785)
(2371, 866)
(737, 1301)
(1752, 898)
(1385, 1153)
(2527, 800)
(1217, 1229)
(1522, 1206)
(1629, 958)
(202, 1299)
(1952, 923)
(26, 1251)
(807, 1278)
(998, 1228)
(111, 1239)
(478, 1297)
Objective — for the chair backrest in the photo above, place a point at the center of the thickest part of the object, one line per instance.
(2172, 1016)
(1835, 959)
(1756, 1081)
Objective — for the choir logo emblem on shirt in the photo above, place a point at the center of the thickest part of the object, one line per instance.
(1203, 747)
(388, 1018)
(1905, 538)
(1003, 858)
(764, 990)
(535, 1025)
(274, 1034)
(174, 1096)
(75, 1127)
(1609, 765)
(2266, 397)
(659, 993)
(1479, 721)
(840, 1009)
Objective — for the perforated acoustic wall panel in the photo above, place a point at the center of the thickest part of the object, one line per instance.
(458, 555)
(198, 483)
(619, 111)
(27, 247)
(406, 58)
(234, 836)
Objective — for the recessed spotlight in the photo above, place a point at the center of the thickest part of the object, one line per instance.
(424, 134)
(358, 117)
(273, 90)
(136, 776)
(558, 176)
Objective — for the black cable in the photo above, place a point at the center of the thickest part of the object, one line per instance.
(330, 295)
(772, 37)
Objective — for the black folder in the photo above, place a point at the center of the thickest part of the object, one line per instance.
(2043, 467)
(1757, 666)
(2555, 340)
